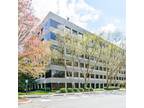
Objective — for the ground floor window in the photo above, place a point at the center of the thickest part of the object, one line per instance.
(101, 85)
(105, 84)
(97, 85)
(76, 85)
(58, 74)
(81, 85)
(92, 85)
(69, 85)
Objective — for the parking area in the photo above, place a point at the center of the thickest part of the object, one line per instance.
(114, 99)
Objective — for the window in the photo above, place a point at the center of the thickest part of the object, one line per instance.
(86, 65)
(76, 64)
(58, 62)
(54, 23)
(97, 85)
(105, 84)
(74, 32)
(69, 74)
(101, 85)
(100, 68)
(81, 64)
(96, 67)
(48, 73)
(76, 74)
(68, 29)
(92, 75)
(80, 35)
(97, 76)
(68, 62)
(101, 76)
(104, 68)
(68, 51)
(58, 74)
(104, 76)
(81, 75)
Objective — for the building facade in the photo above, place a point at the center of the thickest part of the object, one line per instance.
(56, 76)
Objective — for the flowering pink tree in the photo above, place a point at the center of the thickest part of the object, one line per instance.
(35, 53)
(26, 20)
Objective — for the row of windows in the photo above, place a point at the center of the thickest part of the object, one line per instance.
(73, 31)
(69, 63)
(81, 75)
(75, 85)
(61, 74)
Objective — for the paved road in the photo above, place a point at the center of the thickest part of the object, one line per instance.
(102, 100)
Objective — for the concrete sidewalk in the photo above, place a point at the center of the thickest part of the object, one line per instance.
(76, 94)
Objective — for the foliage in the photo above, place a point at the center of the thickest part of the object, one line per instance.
(81, 89)
(34, 57)
(75, 89)
(63, 90)
(91, 89)
(21, 81)
(112, 88)
(86, 89)
(69, 90)
(26, 20)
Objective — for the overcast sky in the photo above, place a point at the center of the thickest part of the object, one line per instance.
(93, 15)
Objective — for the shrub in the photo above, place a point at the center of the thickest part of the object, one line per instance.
(91, 89)
(69, 90)
(75, 89)
(112, 88)
(81, 89)
(86, 89)
(63, 90)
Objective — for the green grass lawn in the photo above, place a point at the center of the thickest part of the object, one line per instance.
(38, 92)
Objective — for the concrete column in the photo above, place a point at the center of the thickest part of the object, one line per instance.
(73, 84)
(94, 85)
(41, 85)
(65, 85)
(79, 85)
(37, 86)
(90, 85)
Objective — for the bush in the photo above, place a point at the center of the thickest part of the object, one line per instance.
(63, 90)
(81, 89)
(86, 89)
(69, 90)
(112, 88)
(91, 89)
(75, 89)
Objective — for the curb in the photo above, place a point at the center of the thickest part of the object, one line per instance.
(25, 102)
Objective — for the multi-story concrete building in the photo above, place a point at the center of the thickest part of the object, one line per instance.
(56, 75)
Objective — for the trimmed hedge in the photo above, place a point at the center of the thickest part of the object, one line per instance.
(91, 89)
(63, 90)
(86, 89)
(69, 90)
(75, 89)
(112, 88)
(81, 89)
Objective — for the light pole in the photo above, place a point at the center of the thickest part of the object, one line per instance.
(26, 81)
